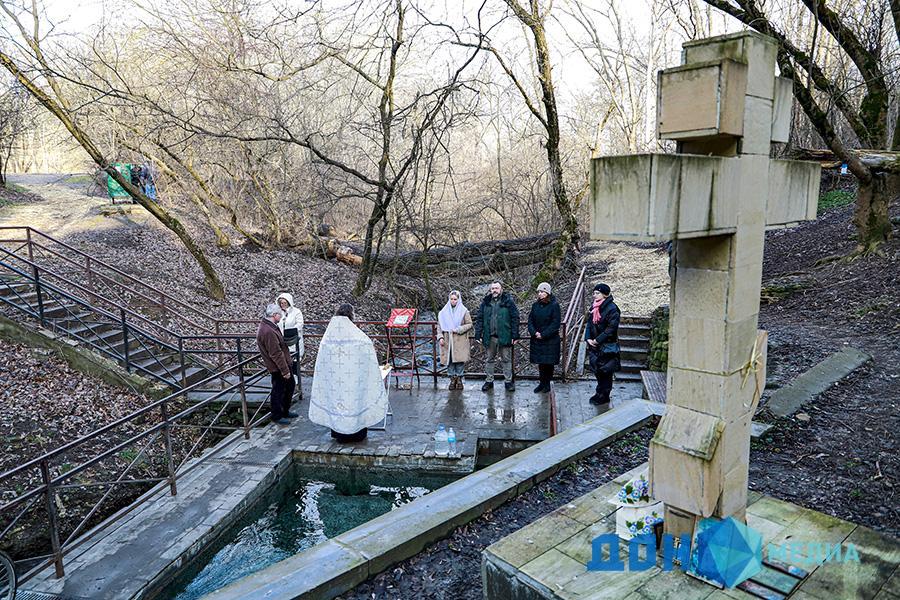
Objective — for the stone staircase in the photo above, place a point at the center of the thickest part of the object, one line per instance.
(145, 352)
(634, 341)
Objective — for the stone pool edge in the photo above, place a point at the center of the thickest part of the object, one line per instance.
(341, 563)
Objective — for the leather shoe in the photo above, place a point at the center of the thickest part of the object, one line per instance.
(292, 415)
(282, 421)
(488, 385)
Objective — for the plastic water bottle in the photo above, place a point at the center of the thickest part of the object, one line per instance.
(451, 442)
(441, 446)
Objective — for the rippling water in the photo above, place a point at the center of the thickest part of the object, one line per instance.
(313, 512)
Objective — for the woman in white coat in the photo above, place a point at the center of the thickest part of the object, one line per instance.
(291, 326)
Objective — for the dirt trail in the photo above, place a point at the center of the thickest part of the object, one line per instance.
(64, 209)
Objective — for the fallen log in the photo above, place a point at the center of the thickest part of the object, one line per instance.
(476, 258)
(877, 160)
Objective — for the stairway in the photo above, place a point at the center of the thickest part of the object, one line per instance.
(634, 341)
(634, 344)
(100, 331)
(46, 283)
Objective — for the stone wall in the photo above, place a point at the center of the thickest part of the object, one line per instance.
(659, 339)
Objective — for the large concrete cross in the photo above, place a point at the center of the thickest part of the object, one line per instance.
(715, 198)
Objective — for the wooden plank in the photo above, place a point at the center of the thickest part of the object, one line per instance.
(654, 386)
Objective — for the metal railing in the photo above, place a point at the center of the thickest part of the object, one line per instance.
(99, 279)
(125, 448)
(91, 283)
(573, 321)
(125, 336)
(153, 445)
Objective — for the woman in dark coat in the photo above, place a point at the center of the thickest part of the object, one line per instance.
(543, 326)
(602, 336)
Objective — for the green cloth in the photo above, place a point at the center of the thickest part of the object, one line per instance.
(112, 186)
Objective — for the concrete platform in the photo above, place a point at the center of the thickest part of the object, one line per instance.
(547, 559)
(350, 558)
(143, 550)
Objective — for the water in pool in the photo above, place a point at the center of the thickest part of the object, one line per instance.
(298, 515)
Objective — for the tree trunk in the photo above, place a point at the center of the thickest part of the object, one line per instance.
(214, 286)
(873, 224)
(364, 279)
(569, 235)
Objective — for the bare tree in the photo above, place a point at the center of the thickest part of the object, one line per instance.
(16, 117)
(56, 101)
(533, 18)
(859, 34)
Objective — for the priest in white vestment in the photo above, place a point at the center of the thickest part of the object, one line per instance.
(348, 392)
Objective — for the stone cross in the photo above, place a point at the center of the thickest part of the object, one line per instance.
(714, 198)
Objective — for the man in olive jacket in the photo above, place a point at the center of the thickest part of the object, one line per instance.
(497, 326)
(277, 359)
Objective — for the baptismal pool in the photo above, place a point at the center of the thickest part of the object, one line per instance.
(307, 507)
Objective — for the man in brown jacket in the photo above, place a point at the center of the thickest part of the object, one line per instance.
(277, 358)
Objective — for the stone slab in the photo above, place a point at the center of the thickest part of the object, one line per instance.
(787, 400)
(558, 569)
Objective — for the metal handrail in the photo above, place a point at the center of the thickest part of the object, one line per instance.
(576, 303)
(81, 301)
(50, 484)
(136, 331)
(29, 231)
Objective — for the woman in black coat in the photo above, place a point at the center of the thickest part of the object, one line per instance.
(543, 326)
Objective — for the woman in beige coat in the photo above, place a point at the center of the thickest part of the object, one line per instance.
(456, 329)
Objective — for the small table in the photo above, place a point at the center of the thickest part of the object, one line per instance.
(385, 374)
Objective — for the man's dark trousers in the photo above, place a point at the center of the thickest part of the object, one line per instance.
(282, 393)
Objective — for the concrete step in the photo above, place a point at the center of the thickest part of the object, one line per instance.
(633, 366)
(627, 376)
(635, 329)
(633, 353)
(640, 341)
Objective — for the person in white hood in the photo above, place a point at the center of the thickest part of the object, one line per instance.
(291, 326)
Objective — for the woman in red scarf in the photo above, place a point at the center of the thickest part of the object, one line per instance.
(602, 336)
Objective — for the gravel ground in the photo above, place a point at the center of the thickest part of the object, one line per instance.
(637, 273)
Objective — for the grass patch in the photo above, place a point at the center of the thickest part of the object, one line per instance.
(83, 178)
(835, 199)
(15, 187)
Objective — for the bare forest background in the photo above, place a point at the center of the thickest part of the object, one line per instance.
(392, 133)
